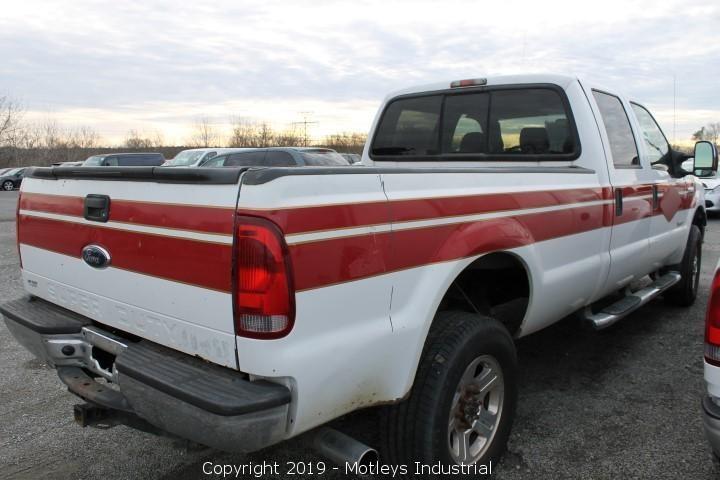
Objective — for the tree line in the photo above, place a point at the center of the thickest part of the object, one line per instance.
(24, 142)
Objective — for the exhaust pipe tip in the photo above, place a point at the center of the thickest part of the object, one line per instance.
(342, 449)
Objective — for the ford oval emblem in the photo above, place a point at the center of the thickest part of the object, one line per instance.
(96, 257)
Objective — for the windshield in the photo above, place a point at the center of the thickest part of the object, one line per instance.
(186, 158)
(323, 157)
(12, 172)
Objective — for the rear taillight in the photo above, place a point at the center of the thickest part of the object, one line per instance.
(17, 228)
(712, 324)
(264, 298)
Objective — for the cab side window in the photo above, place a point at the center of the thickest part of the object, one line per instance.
(617, 125)
(656, 145)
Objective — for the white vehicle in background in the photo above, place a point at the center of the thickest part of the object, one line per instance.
(195, 157)
(711, 183)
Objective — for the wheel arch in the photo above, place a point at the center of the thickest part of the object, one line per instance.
(700, 219)
(497, 284)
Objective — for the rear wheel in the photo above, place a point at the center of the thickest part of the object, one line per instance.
(8, 185)
(462, 404)
(685, 291)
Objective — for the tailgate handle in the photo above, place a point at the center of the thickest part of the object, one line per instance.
(97, 208)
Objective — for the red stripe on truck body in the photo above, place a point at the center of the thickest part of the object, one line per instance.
(207, 265)
(321, 261)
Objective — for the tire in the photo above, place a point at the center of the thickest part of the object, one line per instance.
(8, 186)
(460, 347)
(684, 293)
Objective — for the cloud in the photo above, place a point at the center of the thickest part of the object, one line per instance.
(156, 64)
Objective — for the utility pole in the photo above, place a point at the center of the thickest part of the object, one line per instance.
(674, 108)
(305, 122)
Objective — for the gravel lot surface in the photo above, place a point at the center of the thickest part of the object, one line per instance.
(623, 403)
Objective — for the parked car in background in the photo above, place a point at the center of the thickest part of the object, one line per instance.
(67, 164)
(125, 160)
(712, 192)
(353, 158)
(195, 157)
(11, 179)
(711, 183)
(279, 157)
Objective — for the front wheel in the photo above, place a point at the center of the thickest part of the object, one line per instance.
(462, 403)
(684, 292)
(8, 186)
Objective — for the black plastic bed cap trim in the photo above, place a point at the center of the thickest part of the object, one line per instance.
(259, 176)
(209, 176)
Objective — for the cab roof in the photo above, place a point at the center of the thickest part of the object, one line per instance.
(560, 80)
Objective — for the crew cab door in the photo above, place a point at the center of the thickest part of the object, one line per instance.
(631, 189)
(668, 228)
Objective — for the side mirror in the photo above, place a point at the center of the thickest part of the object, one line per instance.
(706, 159)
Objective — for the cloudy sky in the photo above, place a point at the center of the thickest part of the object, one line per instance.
(159, 65)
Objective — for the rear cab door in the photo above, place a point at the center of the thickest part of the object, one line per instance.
(631, 179)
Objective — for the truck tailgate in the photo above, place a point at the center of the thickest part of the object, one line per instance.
(158, 264)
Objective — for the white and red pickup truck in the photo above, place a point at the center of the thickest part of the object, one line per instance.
(240, 307)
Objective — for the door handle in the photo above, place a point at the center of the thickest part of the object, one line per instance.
(656, 198)
(618, 202)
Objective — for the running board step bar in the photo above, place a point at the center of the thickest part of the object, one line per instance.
(628, 304)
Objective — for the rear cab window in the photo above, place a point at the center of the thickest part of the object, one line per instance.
(493, 123)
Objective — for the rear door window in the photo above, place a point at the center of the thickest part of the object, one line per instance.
(617, 125)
